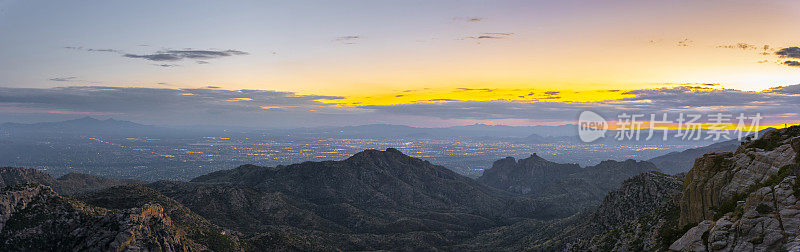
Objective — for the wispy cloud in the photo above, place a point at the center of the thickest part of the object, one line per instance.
(71, 78)
(81, 48)
(469, 19)
(350, 39)
(685, 42)
(746, 46)
(475, 89)
(176, 55)
(492, 35)
(201, 56)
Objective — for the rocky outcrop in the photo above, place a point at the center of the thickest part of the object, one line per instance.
(721, 177)
(13, 200)
(768, 220)
(747, 200)
(193, 225)
(694, 239)
(36, 218)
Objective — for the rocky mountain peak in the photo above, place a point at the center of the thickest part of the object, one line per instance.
(34, 217)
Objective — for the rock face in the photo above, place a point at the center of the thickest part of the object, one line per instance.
(721, 177)
(746, 200)
(767, 220)
(36, 218)
(692, 240)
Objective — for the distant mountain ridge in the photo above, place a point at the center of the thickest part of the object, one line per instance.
(80, 123)
(110, 125)
(678, 162)
(85, 125)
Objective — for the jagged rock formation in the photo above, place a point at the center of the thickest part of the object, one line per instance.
(527, 175)
(34, 217)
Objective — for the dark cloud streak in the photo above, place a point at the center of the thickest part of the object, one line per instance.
(72, 78)
(792, 63)
(789, 52)
(176, 55)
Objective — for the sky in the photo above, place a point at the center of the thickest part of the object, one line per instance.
(418, 63)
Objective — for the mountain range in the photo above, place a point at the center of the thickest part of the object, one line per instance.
(386, 200)
(372, 200)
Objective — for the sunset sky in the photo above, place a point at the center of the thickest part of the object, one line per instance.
(419, 63)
